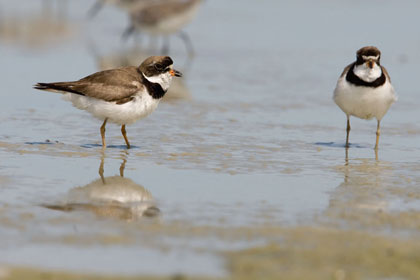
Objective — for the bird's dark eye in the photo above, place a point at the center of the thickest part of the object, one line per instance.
(158, 66)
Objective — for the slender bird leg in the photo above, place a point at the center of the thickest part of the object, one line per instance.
(128, 32)
(95, 8)
(101, 168)
(184, 36)
(348, 131)
(378, 133)
(124, 133)
(347, 157)
(103, 133)
(122, 167)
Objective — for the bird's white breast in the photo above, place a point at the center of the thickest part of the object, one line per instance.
(364, 102)
(140, 107)
(367, 74)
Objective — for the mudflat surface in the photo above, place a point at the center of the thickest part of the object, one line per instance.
(240, 173)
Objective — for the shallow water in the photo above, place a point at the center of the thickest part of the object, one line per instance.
(247, 150)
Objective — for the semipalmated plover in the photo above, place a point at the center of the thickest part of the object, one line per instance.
(364, 89)
(126, 5)
(122, 95)
(164, 18)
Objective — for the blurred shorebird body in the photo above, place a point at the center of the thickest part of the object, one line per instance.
(364, 89)
(125, 5)
(122, 95)
(164, 18)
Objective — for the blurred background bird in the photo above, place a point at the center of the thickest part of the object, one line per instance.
(164, 18)
(125, 5)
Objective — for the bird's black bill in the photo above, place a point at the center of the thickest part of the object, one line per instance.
(177, 73)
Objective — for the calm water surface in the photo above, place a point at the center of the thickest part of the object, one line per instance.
(250, 138)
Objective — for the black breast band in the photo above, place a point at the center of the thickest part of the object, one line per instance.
(352, 78)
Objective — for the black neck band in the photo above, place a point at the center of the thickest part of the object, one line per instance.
(352, 78)
(154, 89)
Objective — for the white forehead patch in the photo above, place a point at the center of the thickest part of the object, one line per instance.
(370, 57)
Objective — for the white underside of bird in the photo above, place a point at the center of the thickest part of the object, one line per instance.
(142, 105)
(361, 101)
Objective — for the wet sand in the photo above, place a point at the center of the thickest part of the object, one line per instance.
(240, 174)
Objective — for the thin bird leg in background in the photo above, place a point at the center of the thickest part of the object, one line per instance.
(348, 131)
(127, 33)
(378, 133)
(124, 133)
(103, 133)
(95, 8)
(184, 36)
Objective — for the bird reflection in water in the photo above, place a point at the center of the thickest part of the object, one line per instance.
(347, 155)
(362, 190)
(111, 197)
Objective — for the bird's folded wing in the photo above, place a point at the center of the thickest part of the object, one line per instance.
(386, 73)
(119, 85)
(110, 85)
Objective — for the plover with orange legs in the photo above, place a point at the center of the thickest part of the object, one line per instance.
(164, 18)
(122, 95)
(364, 89)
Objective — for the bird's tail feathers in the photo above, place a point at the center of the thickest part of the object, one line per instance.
(60, 87)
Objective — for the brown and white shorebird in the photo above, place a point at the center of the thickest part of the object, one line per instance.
(364, 89)
(122, 95)
(164, 17)
(126, 5)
